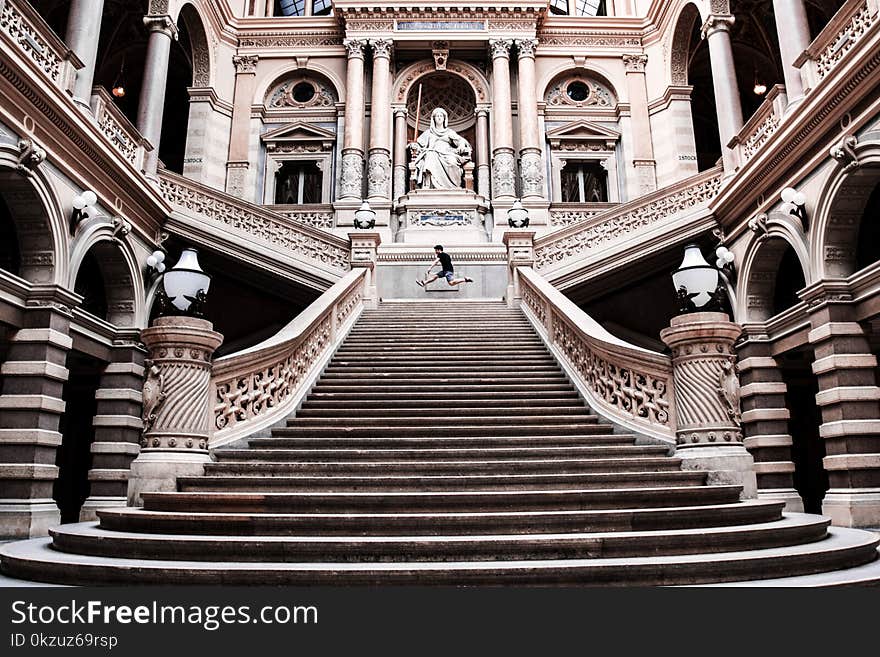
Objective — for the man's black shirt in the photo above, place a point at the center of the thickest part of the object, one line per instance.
(445, 261)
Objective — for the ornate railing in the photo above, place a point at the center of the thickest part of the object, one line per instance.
(628, 385)
(565, 214)
(573, 242)
(259, 386)
(118, 130)
(761, 126)
(191, 198)
(849, 26)
(317, 216)
(29, 34)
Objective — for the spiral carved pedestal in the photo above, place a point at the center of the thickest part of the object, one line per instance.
(177, 404)
(707, 398)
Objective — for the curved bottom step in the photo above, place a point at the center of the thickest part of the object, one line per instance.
(843, 549)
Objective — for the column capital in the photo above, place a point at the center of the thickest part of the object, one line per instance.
(717, 23)
(400, 111)
(245, 63)
(500, 48)
(161, 23)
(635, 63)
(526, 47)
(382, 47)
(355, 48)
(481, 111)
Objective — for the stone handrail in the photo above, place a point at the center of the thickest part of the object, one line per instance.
(565, 214)
(622, 382)
(561, 246)
(114, 125)
(851, 23)
(191, 198)
(259, 386)
(32, 37)
(317, 216)
(758, 130)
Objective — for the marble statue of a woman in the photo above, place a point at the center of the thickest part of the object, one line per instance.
(439, 154)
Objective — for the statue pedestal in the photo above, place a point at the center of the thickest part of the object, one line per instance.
(442, 216)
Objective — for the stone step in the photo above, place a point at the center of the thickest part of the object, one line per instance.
(437, 482)
(843, 549)
(464, 381)
(453, 360)
(577, 418)
(426, 450)
(90, 539)
(450, 405)
(403, 502)
(419, 467)
(349, 369)
(483, 436)
(362, 412)
(487, 398)
(437, 348)
(438, 523)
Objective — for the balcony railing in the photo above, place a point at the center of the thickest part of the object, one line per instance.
(565, 214)
(118, 130)
(29, 35)
(761, 126)
(317, 216)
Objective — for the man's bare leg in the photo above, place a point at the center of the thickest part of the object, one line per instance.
(459, 281)
(430, 279)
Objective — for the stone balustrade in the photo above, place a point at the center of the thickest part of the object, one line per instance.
(558, 248)
(26, 33)
(259, 386)
(763, 124)
(118, 130)
(205, 205)
(852, 23)
(316, 216)
(628, 385)
(566, 214)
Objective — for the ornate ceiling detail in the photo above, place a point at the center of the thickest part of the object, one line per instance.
(444, 90)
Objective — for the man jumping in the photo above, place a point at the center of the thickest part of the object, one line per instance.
(446, 270)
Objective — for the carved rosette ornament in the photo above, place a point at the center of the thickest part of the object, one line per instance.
(707, 398)
(532, 173)
(503, 173)
(177, 391)
(379, 174)
(352, 174)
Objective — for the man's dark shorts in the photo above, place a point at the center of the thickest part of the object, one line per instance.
(448, 275)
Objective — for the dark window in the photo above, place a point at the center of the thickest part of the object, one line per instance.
(584, 182)
(789, 279)
(90, 286)
(303, 92)
(559, 7)
(10, 257)
(322, 7)
(298, 183)
(578, 91)
(290, 7)
(590, 8)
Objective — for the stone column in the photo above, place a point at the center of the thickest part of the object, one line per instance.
(31, 407)
(400, 139)
(849, 400)
(152, 102)
(364, 255)
(352, 174)
(794, 38)
(238, 162)
(83, 28)
(503, 160)
(118, 428)
(707, 399)
(730, 120)
(379, 166)
(765, 421)
(484, 174)
(643, 144)
(520, 253)
(531, 160)
(177, 404)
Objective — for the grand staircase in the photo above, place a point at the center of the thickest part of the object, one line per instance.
(444, 445)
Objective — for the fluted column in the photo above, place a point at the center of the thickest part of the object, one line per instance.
(176, 404)
(503, 160)
(794, 38)
(83, 28)
(352, 174)
(152, 102)
(531, 161)
(379, 166)
(643, 146)
(399, 152)
(730, 120)
(484, 174)
(238, 161)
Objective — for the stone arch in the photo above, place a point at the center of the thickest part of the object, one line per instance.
(189, 13)
(35, 212)
(760, 271)
(122, 281)
(681, 40)
(839, 210)
(414, 72)
(592, 71)
(326, 94)
(270, 82)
